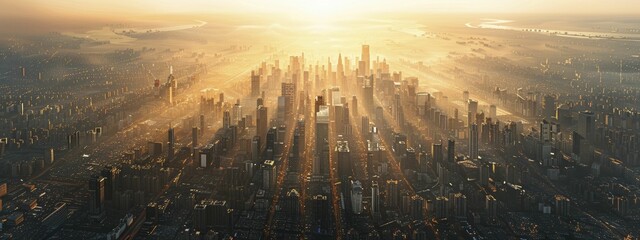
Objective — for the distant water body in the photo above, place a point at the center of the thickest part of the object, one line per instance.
(502, 24)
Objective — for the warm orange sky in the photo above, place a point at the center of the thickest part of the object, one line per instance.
(303, 7)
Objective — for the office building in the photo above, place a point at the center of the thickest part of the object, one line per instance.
(96, 195)
(356, 197)
(473, 141)
(269, 175)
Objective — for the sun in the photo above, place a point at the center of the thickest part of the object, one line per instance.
(322, 11)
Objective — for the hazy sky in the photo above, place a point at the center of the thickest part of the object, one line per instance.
(84, 7)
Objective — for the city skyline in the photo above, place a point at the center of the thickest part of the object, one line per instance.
(295, 120)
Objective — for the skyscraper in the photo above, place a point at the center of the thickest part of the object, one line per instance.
(451, 151)
(255, 149)
(437, 153)
(473, 141)
(96, 195)
(321, 166)
(171, 142)
(262, 123)
(340, 70)
(226, 119)
(586, 125)
(344, 159)
(236, 114)
(321, 212)
(472, 108)
(194, 138)
(549, 106)
(255, 84)
(292, 204)
(375, 198)
(110, 174)
(366, 59)
(356, 196)
(491, 206)
(269, 175)
(460, 205)
(392, 193)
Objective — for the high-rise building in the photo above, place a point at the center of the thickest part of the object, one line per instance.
(460, 205)
(451, 151)
(484, 172)
(356, 197)
(96, 195)
(202, 124)
(171, 143)
(392, 193)
(292, 204)
(255, 84)
(563, 205)
(548, 106)
(491, 207)
(255, 149)
(289, 93)
(321, 212)
(354, 106)
(340, 70)
(473, 141)
(269, 175)
(365, 131)
(409, 160)
(472, 108)
(110, 175)
(321, 166)
(437, 153)
(417, 207)
(262, 121)
(236, 114)
(586, 125)
(375, 198)
(294, 156)
(344, 159)
(226, 119)
(441, 207)
(194, 138)
(270, 142)
(319, 101)
(365, 57)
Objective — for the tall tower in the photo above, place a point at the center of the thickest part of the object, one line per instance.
(472, 108)
(344, 160)
(451, 151)
(586, 125)
(226, 119)
(171, 141)
(473, 141)
(262, 123)
(96, 195)
(236, 114)
(329, 72)
(340, 70)
(375, 198)
(255, 84)
(436, 153)
(366, 59)
(194, 139)
(269, 175)
(321, 165)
